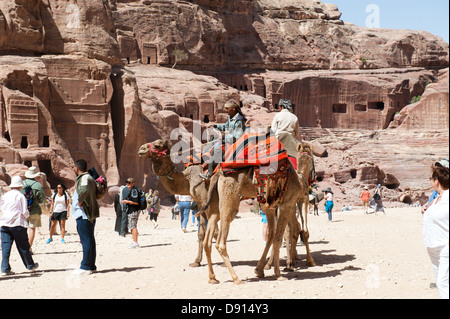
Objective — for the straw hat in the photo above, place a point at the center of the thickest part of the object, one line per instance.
(16, 182)
(32, 173)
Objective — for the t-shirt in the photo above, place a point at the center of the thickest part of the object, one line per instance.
(59, 203)
(436, 222)
(329, 197)
(133, 196)
(365, 196)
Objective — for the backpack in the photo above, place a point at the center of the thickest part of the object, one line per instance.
(29, 195)
(101, 187)
(100, 182)
(377, 195)
(142, 200)
(138, 196)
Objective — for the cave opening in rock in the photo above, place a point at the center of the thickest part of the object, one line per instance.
(24, 142)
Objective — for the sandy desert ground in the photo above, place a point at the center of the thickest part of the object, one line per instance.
(357, 256)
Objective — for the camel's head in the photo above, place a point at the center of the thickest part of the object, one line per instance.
(153, 150)
(305, 148)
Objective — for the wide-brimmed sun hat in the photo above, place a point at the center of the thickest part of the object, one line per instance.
(328, 190)
(16, 182)
(32, 172)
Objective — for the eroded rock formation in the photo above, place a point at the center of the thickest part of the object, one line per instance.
(97, 79)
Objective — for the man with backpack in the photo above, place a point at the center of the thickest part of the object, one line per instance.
(134, 202)
(85, 211)
(35, 196)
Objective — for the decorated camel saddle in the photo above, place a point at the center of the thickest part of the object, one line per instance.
(265, 154)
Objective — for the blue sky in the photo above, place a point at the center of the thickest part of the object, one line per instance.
(430, 15)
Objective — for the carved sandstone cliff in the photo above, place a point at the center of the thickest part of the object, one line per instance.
(96, 80)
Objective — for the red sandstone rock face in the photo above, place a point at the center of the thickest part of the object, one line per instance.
(75, 99)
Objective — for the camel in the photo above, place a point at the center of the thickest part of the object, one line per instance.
(294, 229)
(230, 188)
(188, 182)
(303, 170)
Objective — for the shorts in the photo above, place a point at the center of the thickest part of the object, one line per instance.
(59, 216)
(365, 204)
(34, 221)
(133, 219)
(264, 218)
(153, 216)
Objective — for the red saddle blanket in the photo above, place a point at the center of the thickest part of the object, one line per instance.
(254, 150)
(271, 163)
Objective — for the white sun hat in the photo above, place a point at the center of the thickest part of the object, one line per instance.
(16, 182)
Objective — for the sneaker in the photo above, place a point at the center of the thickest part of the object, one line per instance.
(184, 230)
(34, 267)
(81, 272)
(49, 241)
(133, 245)
(63, 241)
(8, 273)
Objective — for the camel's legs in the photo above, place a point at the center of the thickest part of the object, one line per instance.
(291, 235)
(221, 246)
(271, 221)
(283, 219)
(305, 232)
(201, 239)
(207, 244)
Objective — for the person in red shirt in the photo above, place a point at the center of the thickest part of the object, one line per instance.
(365, 196)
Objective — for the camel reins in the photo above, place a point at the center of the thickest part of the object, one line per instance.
(160, 154)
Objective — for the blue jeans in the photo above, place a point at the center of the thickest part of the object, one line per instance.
(86, 231)
(185, 208)
(20, 236)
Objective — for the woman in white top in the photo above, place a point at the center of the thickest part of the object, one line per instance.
(59, 211)
(13, 227)
(435, 228)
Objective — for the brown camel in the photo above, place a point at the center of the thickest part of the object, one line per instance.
(230, 188)
(188, 182)
(304, 160)
(294, 229)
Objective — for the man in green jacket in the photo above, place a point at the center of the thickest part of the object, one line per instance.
(85, 210)
(39, 197)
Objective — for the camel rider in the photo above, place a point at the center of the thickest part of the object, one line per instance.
(286, 121)
(234, 128)
(285, 126)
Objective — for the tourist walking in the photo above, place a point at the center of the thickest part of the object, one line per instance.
(194, 211)
(154, 207)
(148, 198)
(365, 197)
(329, 204)
(85, 211)
(184, 201)
(132, 210)
(378, 200)
(125, 191)
(59, 212)
(435, 228)
(265, 227)
(38, 197)
(13, 227)
(118, 210)
(444, 162)
(175, 211)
